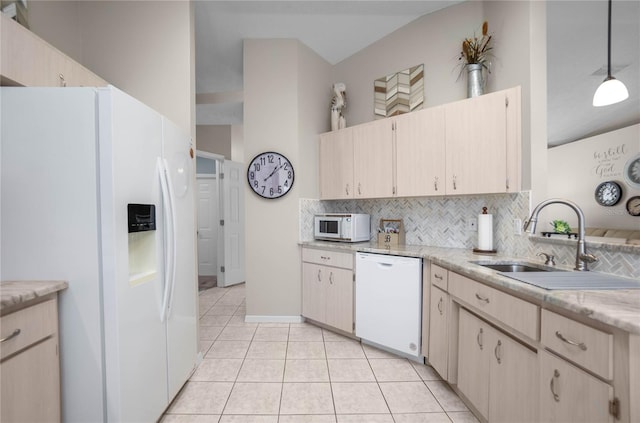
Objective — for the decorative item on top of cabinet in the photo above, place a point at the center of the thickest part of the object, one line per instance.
(399, 93)
(474, 58)
(338, 103)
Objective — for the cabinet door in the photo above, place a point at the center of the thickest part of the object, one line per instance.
(31, 384)
(374, 163)
(336, 165)
(313, 292)
(474, 345)
(339, 298)
(420, 153)
(476, 145)
(513, 395)
(569, 395)
(438, 331)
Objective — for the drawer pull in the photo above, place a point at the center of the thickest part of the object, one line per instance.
(556, 374)
(479, 338)
(496, 350)
(440, 306)
(13, 335)
(435, 275)
(580, 345)
(325, 258)
(481, 298)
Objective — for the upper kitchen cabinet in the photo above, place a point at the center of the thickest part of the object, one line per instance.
(420, 153)
(29, 61)
(336, 165)
(483, 139)
(374, 164)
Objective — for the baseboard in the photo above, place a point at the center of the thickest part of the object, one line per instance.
(273, 319)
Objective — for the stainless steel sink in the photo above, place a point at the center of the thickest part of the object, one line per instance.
(515, 267)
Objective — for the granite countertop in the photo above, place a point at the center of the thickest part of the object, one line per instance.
(618, 308)
(15, 293)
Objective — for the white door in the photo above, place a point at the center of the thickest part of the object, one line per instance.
(207, 225)
(232, 270)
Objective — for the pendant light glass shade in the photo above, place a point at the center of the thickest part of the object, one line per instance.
(611, 91)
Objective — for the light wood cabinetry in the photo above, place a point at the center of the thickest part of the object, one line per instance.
(420, 153)
(28, 60)
(496, 373)
(472, 146)
(30, 365)
(483, 144)
(327, 287)
(336, 164)
(374, 164)
(439, 331)
(570, 395)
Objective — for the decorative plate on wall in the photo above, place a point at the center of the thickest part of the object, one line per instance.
(632, 171)
(608, 193)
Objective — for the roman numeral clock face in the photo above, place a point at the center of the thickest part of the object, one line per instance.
(270, 175)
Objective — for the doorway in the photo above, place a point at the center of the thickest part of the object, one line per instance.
(220, 216)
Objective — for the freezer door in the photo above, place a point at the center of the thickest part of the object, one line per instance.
(182, 337)
(130, 143)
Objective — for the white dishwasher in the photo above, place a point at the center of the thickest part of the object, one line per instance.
(389, 301)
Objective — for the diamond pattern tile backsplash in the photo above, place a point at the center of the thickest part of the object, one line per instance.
(442, 222)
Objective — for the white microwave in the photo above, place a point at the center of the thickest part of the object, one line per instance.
(346, 227)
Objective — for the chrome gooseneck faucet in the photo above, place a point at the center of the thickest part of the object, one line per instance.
(582, 258)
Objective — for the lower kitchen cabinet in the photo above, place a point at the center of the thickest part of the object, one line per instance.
(30, 365)
(438, 331)
(497, 374)
(327, 288)
(570, 395)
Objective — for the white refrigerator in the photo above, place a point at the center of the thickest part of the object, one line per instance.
(75, 163)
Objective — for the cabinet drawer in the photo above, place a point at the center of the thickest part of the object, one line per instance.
(509, 310)
(439, 277)
(328, 258)
(35, 323)
(584, 345)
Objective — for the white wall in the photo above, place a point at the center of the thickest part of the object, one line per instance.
(282, 112)
(145, 48)
(435, 40)
(215, 139)
(577, 168)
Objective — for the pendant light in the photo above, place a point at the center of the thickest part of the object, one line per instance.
(611, 90)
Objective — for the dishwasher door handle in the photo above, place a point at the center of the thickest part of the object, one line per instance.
(385, 264)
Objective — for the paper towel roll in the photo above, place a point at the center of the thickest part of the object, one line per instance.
(485, 232)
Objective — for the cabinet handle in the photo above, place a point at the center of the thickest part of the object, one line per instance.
(394, 191)
(580, 345)
(13, 335)
(440, 306)
(319, 275)
(496, 350)
(556, 374)
(359, 188)
(454, 183)
(346, 189)
(481, 298)
(435, 183)
(435, 275)
(507, 184)
(63, 83)
(325, 258)
(479, 338)
(331, 278)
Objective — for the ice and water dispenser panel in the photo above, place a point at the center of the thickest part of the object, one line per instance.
(142, 243)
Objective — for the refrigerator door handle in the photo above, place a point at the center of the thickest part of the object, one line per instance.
(174, 236)
(166, 204)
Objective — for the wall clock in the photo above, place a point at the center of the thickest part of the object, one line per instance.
(608, 193)
(270, 175)
(633, 205)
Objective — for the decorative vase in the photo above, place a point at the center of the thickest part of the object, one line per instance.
(475, 81)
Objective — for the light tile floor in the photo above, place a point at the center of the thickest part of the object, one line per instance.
(300, 373)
